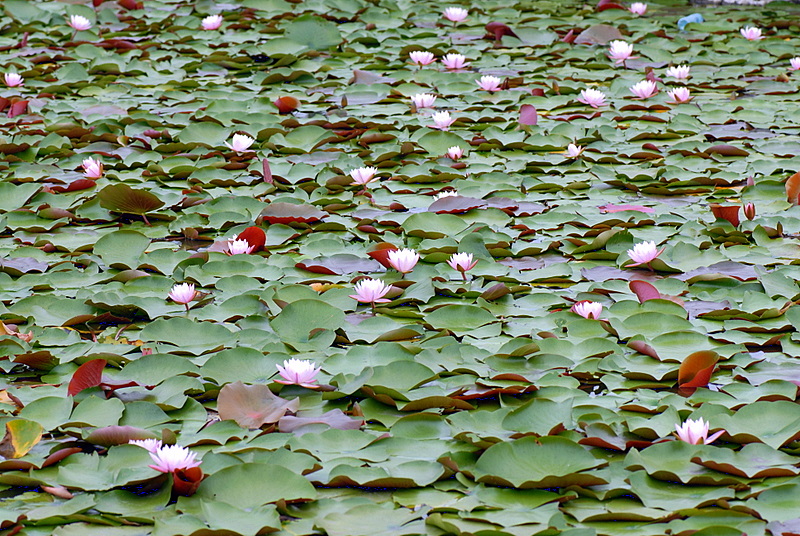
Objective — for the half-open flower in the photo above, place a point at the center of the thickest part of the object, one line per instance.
(183, 293)
(13, 79)
(423, 100)
(574, 151)
(240, 143)
(644, 253)
(79, 23)
(455, 152)
(364, 175)
(644, 89)
(490, 83)
(454, 61)
(638, 8)
(403, 260)
(619, 51)
(442, 120)
(587, 309)
(679, 95)
(171, 458)
(751, 33)
(696, 432)
(592, 97)
(298, 372)
(679, 72)
(455, 14)
(238, 247)
(462, 262)
(795, 63)
(212, 22)
(150, 445)
(422, 57)
(371, 291)
(92, 169)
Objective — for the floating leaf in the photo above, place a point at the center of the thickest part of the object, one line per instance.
(20, 437)
(123, 198)
(253, 406)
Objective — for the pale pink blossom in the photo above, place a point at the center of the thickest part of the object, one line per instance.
(751, 33)
(795, 63)
(455, 152)
(171, 458)
(298, 372)
(92, 169)
(442, 120)
(679, 72)
(150, 445)
(454, 61)
(592, 97)
(239, 247)
(587, 309)
(638, 8)
(183, 293)
(619, 51)
(79, 23)
(13, 79)
(364, 175)
(423, 100)
(371, 291)
(574, 151)
(240, 143)
(445, 193)
(455, 14)
(696, 432)
(403, 260)
(422, 57)
(644, 253)
(644, 89)
(489, 83)
(679, 95)
(212, 22)
(462, 262)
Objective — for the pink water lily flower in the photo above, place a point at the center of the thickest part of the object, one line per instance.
(79, 23)
(403, 260)
(587, 309)
(574, 151)
(171, 458)
(619, 51)
(695, 432)
(749, 211)
(239, 247)
(423, 100)
(454, 61)
(240, 143)
(592, 97)
(212, 22)
(455, 152)
(422, 57)
(490, 83)
(751, 33)
(462, 262)
(13, 79)
(298, 372)
(183, 293)
(371, 291)
(644, 89)
(679, 72)
(795, 63)
(679, 95)
(150, 445)
(638, 8)
(364, 175)
(442, 120)
(455, 14)
(92, 169)
(644, 253)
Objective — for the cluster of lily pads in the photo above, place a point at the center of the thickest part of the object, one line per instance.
(357, 267)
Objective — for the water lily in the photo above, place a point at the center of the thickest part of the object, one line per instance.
(592, 97)
(462, 262)
(638, 8)
(455, 152)
(171, 458)
(445, 193)
(574, 151)
(454, 61)
(212, 22)
(79, 23)
(13, 79)
(150, 445)
(455, 14)
(239, 247)
(240, 143)
(619, 51)
(696, 432)
(298, 372)
(644, 253)
(587, 309)
(422, 57)
(442, 120)
(92, 169)
(751, 33)
(679, 72)
(490, 83)
(795, 63)
(371, 291)
(749, 211)
(644, 89)
(679, 95)
(364, 175)
(423, 100)
(183, 293)
(403, 260)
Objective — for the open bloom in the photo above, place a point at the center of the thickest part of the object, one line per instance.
(489, 83)
(171, 458)
(643, 253)
(403, 260)
(679, 72)
(212, 22)
(445, 193)
(92, 169)
(795, 63)
(574, 151)
(423, 100)
(455, 152)
(644, 89)
(455, 14)
(454, 61)
(462, 262)
(13, 79)
(751, 33)
(696, 432)
(183, 293)
(442, 120)
(587, 309)
(298, 372)
(422, 57)
(150, 445)
(371, 291)
(638, 8)
(592, 97)
(679, 95)
(79, 23)
(619, 51)
(237, 247)
(240, 143)
(364, 175)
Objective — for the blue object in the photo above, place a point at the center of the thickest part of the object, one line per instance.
(688, 19)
